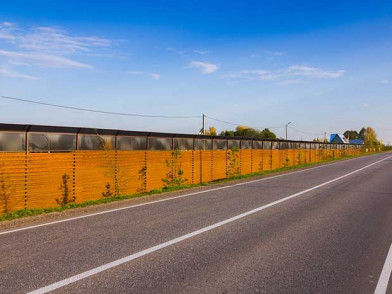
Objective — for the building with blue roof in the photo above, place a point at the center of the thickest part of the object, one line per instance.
(338, 139)
(357, 142)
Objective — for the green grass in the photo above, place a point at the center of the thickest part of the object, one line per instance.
(31, 212)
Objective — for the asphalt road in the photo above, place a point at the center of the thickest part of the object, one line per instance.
(322, 230)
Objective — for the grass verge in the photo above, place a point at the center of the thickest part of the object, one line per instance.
(31, 212)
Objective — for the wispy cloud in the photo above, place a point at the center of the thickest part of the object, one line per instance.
(384, 81)
(289, 75)
(205, 67)
(278, 53)
(11, 74)
(152, 75)
(50, 40)
(187, 52)
(313, 72)
(41, 59)
(47, 46)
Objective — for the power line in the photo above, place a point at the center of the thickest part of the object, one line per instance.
(307, 133)
(237, 124)
(95, 110)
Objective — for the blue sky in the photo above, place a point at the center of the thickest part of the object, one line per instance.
(325, 66)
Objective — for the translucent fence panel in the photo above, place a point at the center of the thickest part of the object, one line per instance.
(160, 143)
(12, 142)
(183, 143)
(95, 142)
(220, 144)
(131, 143)
(40, 142)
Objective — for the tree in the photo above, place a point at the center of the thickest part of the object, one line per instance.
(227, 133)
(371, 137)
(352, 135)
(245, 131)
(361, 134)
(267, 134)
(210, 132)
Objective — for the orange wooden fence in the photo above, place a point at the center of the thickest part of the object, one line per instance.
(35, 180)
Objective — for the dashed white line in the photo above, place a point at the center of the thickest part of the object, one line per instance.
(383, 281)
(131, 257)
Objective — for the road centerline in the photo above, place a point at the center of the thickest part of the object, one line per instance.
(158, 247)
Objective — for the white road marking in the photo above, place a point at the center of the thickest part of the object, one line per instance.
(166, 199)
(382, 284)
(131, 257)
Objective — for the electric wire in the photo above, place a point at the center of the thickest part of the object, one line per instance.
(95, 110)
(237, 124)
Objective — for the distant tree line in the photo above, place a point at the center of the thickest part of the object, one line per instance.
(368, 135)
(244, 131)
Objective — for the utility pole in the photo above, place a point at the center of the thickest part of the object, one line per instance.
(325, 137)
(286, 128)
(204, 125)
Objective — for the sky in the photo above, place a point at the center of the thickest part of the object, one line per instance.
(324, 66)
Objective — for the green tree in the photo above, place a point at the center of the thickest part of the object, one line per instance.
(371, 137)
(361, 134)
(227, 133)
(352, 135)
(267, 134)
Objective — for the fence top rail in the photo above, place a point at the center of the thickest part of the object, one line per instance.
(113, 132)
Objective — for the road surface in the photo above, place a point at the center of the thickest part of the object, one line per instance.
(321, 230)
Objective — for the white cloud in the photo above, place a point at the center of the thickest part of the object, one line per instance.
(290, 82)
(47, 46)
(287, 75)
(205, 67)
(278, 53)
(11, 74)
(307, 71)
(152, 75)
(41, 59)
(50, 40)
(384, 81)
(187, 52)
(201, 52)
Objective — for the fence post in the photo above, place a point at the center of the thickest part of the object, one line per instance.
(26, 167)
(251, 156)
(116, 184)
(212, 159)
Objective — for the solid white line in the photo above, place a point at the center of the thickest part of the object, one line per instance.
(166, 199)
(382, 284)
(131, 257)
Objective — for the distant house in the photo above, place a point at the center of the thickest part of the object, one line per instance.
(338, 139)
(357, 142)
